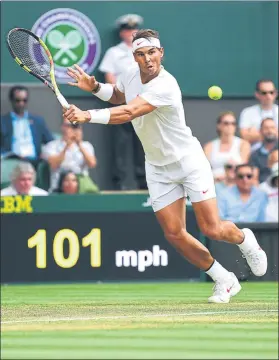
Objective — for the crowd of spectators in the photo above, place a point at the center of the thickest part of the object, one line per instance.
(245, 168)
(243, 156)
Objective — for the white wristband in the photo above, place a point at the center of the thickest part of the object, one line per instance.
(101, 116)
(105, 92)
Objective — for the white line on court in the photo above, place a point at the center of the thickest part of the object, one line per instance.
(135, 316)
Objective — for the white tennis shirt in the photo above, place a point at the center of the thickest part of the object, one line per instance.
(163, 132)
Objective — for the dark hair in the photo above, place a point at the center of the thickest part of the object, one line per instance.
(259, 82)
(264, 120)
(243, 165)
(61, 180)
(16, 88)
(145, 33)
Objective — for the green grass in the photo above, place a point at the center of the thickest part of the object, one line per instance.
(138, 321)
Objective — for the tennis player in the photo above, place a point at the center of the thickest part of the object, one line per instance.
(176, 165)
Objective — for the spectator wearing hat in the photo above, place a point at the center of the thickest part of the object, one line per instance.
(270, 187)
(117, 59)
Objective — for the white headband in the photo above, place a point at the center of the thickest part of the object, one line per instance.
(142, 42)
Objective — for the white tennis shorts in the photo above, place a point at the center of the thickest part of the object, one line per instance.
(191, 176)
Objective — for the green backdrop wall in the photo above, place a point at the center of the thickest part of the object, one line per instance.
(231, 44)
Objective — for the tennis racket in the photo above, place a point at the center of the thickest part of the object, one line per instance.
(33, 56)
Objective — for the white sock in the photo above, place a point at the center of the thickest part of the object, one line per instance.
(217, 271)
(249, 240)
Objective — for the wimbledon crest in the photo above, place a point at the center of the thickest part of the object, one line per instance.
(72, 38)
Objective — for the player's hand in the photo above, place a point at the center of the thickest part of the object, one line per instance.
(74, 114)
(83, 81)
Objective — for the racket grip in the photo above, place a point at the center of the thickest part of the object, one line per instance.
(63, 101)
(64, 104)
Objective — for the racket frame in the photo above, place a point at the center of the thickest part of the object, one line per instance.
(52, 85)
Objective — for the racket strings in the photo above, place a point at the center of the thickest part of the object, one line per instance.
(30, 52)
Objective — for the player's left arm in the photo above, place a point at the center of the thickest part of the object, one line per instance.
(114, 116)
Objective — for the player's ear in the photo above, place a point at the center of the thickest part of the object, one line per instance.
(162, 52)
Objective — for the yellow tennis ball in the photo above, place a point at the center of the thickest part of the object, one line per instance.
(215, 92)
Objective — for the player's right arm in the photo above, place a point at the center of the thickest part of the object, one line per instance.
(88, 83)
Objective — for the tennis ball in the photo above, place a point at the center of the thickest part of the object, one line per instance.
(215, 92)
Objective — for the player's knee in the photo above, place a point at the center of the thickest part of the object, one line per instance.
(173, 233)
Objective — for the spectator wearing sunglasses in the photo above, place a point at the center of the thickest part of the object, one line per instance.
(252, 116)
(22, 133)
(229, 179)
(243, 202)
(227, 147)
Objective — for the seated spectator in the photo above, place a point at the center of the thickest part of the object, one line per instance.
(252, 116)
(22, 134)
(259, 157)
(69, 153)
(23, 179)
(243, 202)
(273, 158)
(67, 183)
(270, 187)
(226, 147)
(229, 179)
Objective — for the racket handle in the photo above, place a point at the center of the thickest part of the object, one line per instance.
(63, 101)
(64, 104)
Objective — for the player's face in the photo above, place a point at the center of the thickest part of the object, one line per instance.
(24, 183)
(70, 184)
(19, 102)
(149, 59)
(266, 93)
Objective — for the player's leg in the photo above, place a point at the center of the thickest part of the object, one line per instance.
(172, 220)
(201, 190)
(168, 202)
(213, 227)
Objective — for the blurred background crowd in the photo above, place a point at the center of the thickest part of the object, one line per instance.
(243, 155)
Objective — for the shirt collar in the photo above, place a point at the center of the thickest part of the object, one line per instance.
(16, 117)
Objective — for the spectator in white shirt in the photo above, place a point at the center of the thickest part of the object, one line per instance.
(118, 58)
(23, 178)
(124, 139)
(69, 153)
(252, 116)
(227, 147)
(270, 187)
